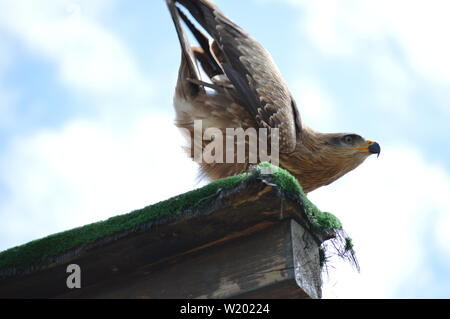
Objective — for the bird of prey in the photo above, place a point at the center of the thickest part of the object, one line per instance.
(245, 90)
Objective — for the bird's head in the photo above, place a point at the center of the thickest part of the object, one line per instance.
(351, 148)
(322, 158)
(353, 144)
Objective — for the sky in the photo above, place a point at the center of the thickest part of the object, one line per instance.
(86, 121)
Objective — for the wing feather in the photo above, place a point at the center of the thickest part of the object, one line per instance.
(252, 71)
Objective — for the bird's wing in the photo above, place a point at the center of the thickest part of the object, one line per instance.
(251, 70)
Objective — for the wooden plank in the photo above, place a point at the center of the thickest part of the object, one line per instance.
(230, 222)
(259, 265)
(306, 261)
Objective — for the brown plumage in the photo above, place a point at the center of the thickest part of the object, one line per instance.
(246, 90)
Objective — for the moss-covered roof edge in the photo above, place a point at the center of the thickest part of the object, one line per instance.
(341, 244)
(56, 247)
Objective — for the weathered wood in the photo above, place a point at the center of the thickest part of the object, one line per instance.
(241, 246)
(306, 261)
(259, 265)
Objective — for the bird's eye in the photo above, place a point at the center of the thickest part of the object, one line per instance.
(348, 139)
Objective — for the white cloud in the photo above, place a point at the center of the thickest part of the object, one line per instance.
(314, 104)
(393, 85)
(90, 58)
(8, 96)
(7, 101)
(401, 204)
(340, 27)
(400, 197)
(86, 169)
(407, 35)
(85, 172)
(89, 170)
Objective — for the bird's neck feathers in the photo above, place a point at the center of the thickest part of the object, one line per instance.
(313, 163)
(311, 140)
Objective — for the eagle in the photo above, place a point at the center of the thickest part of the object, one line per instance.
(244, 89)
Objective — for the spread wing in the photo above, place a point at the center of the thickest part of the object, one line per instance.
(252, 72)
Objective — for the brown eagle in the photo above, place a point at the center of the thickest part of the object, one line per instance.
(246, 90)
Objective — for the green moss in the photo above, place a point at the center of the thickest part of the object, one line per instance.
(326, 221)
(42, 250)
(342, 244)
(320, 220)
(46, 250)
(348, 244)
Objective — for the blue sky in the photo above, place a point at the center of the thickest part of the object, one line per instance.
(86, 127)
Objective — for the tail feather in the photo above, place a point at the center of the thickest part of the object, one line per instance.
(204, 12)
(188, 54)
(205, 56)
(188, 68)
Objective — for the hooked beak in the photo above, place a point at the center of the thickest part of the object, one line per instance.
(372, 148)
